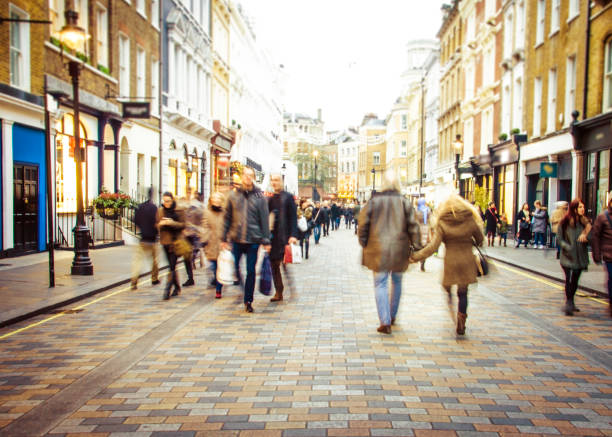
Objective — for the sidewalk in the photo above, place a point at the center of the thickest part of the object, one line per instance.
(25, 280)
(544, 262)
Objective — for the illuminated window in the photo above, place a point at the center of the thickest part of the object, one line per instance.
(65, 165)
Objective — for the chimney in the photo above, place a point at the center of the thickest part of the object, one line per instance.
(319, 114)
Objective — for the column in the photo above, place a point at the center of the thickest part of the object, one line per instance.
(577, 174)
(553, 187)
(522, 184)
(102, 121)
(7, 184)
(171, 74)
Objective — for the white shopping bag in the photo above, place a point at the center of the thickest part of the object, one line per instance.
(296, 254)
(226, 269)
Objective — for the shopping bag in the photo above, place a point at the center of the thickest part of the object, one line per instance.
(226, 269)
(265, 276)
(183, 248)
(296, 254)
(302, 224)
(288, 259)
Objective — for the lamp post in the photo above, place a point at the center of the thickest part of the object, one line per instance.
(458, 146)
(283, 171)
(74, 37)
(373, 171)
(314, 191)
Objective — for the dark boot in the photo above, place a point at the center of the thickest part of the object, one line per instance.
(384, 329)
(177, 290)
(277, 297)
(568, 308)
(167, 291)
(461, 318)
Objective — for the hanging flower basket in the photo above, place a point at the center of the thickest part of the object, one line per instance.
(109, 205)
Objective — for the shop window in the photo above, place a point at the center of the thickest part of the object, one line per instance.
(607, 97)
(172, 179)
(603, 185)
(65, 165)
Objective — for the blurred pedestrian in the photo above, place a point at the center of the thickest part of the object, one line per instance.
(284, 231)
(491, 218)
(326, 218)
(246, 226)
(601, 242)
(423, 215)
(171, 224)
(336, 213)
(305, 210)
(348, 216)
(503, 229)
(317, 222)
(145, 219)
(555, 219)
(388, 231)
(523, 219)
(572, 236)
(212, 231)
(540, 225)
(356, 211)
(194, 212)
(459, 227)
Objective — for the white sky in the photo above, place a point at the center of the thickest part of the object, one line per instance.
(344, 56)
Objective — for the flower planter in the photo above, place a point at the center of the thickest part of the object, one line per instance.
(109, 213)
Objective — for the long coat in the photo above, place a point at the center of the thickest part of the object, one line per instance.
(458, 228)
(285, 222)
(212, 231)
(524, 232)
(574, 255)
(388, 231)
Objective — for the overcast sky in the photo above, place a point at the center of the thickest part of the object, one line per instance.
(344, 56)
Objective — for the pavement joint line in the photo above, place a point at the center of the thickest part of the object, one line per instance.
(63, 313)
(46, 416)
(543, 281)
(583, 347)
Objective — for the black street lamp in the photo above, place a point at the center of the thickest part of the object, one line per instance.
(314, 191)
(283, 171)
(373, 171)
(458, 146)
(74, 37)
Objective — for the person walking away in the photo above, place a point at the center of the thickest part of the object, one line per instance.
(356, 211)
(246, 226)
(305, 211)
(503, 229)
(194, 213)
(284, 231)
(212, 231)
(601, 243)
(145, 219)
(317, 222)
(555, 219)
(459, 227)
(348, 217)
(540, 224)
(423, 214)
(387, 232)
(325, 218)
(523, 219)
(491, 218)
(171, 223)
(572, 236)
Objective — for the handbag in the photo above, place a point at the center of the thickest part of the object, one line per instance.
(265, 276)
(226, 268)
(183, 248)
(482, 265)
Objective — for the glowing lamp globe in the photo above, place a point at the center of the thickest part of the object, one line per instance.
(223, 162)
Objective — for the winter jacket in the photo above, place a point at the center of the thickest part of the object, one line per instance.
(246, 217)
(212, 230)
(170, 232)
(458, 226)
(388, 231)
(524, 225)
(540, 221)
(601, 240)
(491, 218)
(146, 220)
(574, 255)
(284, 209)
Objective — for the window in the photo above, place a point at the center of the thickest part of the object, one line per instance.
(574, 9)
(555, 16)
(124, 66)
(155, 87)
(517, 104)
(470, 31)
(82, 8)
(20, 50)
(541, 21)
(155, 13)
(607, 98)
(376, 158)
(508, 35)
(490, 9)
(506, 109)
(486, 137)
(102, 36)
(404, 121)
(488, 67)
(537, 107)
(56, 15)
(570, 89)
(140, 7)
(353, 166)
(552, 101)
(468, 134)
(469, 82)
(519, 40)
(403, 150)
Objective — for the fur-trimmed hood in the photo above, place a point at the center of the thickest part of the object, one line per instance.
(456, 209)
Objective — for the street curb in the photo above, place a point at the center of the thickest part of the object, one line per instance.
(47, 308)
(598, 293)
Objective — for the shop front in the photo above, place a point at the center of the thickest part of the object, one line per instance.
(476, 179)
(221, 145)
(504, 161)
(593, 138)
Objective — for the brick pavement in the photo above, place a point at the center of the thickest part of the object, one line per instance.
(314, 365)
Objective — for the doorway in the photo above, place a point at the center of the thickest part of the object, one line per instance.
(25, 207)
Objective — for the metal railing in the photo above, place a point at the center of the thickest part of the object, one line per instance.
(101, 231)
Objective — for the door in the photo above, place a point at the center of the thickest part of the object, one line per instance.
(25, 207)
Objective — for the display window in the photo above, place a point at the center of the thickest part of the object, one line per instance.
(65, 164)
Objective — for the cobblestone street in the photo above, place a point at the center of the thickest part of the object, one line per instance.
(313, 365)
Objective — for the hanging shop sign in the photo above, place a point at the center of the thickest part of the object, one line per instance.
(136, 109)
(549, 169)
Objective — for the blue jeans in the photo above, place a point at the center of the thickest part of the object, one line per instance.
(213, 269)
(539, 239)
(386, 312)
(609, 269)
(317, 233)
(251, 254)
